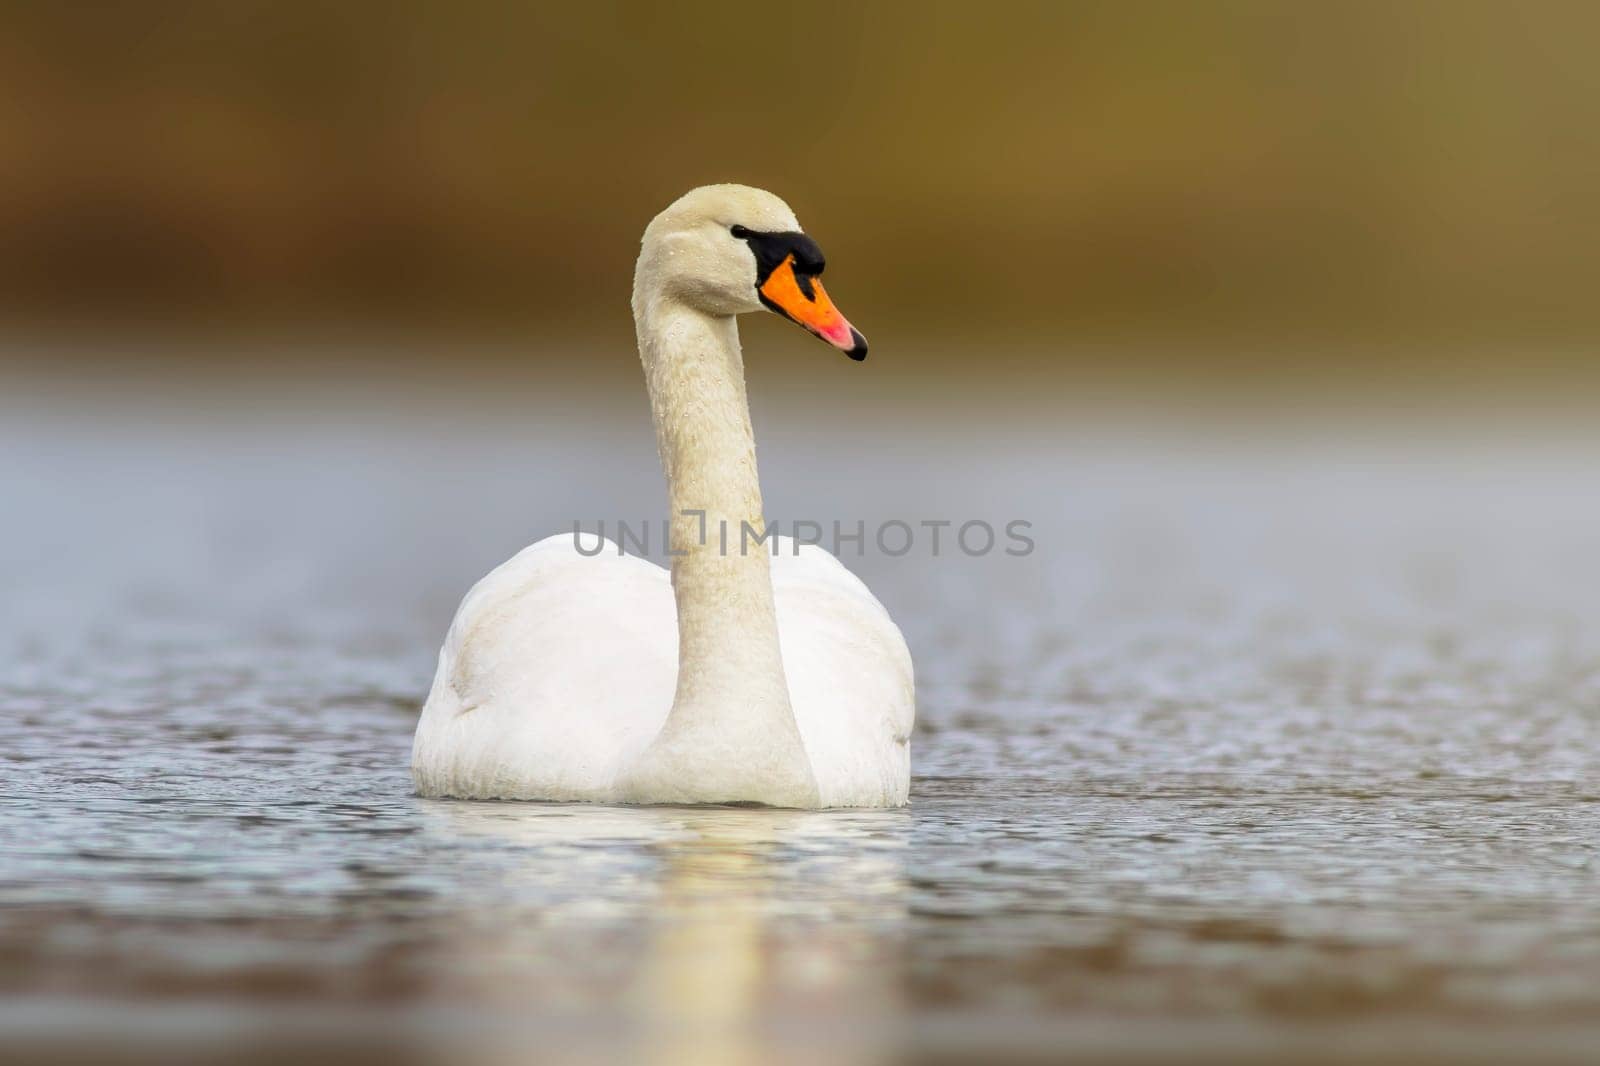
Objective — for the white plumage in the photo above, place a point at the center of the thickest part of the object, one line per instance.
(770, 675)
(560, 667)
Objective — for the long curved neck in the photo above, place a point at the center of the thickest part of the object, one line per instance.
(729, 665)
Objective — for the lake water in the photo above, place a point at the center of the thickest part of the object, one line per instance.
(1284, 740)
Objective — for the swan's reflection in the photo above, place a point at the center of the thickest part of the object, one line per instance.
(712, 930)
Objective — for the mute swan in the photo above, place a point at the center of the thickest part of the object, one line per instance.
(778, 680)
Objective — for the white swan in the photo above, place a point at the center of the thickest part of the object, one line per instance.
(780, 679)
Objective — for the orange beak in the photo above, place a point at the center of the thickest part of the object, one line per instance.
(802, 299)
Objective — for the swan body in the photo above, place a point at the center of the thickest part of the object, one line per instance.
(609, 640)
(759, 673)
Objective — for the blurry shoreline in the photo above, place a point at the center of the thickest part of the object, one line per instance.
(987, 374)
(1221, 197)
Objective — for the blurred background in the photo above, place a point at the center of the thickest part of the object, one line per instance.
(1362, 192)
(1276, 322)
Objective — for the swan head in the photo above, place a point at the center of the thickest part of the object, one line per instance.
(732, 249)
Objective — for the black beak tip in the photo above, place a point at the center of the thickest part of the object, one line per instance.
(858, 351)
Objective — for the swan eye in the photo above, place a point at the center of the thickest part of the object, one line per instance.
(739, 232)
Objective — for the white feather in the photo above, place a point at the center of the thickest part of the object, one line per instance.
(560, 668)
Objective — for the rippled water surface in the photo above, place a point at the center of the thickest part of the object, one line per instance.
(1274, 745)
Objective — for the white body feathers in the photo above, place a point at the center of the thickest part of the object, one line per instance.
(560, 670)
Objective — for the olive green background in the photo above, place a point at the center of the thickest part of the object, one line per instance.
(1219, 191)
